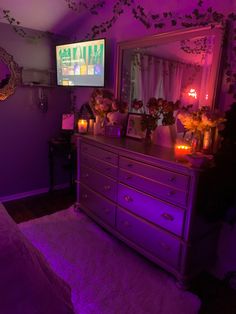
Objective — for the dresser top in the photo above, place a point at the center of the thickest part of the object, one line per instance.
(147, 151)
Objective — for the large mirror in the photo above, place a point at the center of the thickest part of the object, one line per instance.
(178, 66)
(10, 74)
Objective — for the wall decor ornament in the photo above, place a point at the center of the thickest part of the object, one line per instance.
(10, 74)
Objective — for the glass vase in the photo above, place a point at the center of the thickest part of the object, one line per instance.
(148, 136)
(197, 141)
(207, 141)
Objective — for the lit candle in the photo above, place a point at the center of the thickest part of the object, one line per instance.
(82, 126)
(181, 150)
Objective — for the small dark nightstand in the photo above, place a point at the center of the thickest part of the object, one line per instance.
(62, 146)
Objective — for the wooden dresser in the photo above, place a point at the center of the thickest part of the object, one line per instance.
(143, 196)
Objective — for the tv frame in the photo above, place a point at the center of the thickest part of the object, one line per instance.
(81, 41)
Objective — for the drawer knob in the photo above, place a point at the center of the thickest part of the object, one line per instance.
(126, 223)
(107, 187)
(85, 196)
(171, 193)
(128, 198)
(172, 179)
(167, 216)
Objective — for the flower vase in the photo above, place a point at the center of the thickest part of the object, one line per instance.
(215, 140)
(197, 141)
(207, 141)
(148, 136)
(99, 126)
(165, 135)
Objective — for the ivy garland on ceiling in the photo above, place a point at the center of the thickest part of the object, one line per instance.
(21, 31)
(79, 6)
(198, 17)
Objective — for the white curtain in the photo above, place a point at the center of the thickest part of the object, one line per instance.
(155, 77)
(136, 78)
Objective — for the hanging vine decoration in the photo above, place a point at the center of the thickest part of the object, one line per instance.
(117, 10)
(198, 17)
(79, 6)
(201, 47)
(230, 44)
(19, 30)
(197, 46)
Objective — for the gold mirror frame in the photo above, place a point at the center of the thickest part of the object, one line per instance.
(168, 37)
(15, 74)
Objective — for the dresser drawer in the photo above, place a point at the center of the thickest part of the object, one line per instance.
(97, 164)
(173, 179)
(98, 205)
(150, 238)
(152, 209)
(98, 182)
(155, 188)
(100, 153)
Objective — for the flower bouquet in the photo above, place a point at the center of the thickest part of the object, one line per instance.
(160, 121)
(108, 110)
(203, 125)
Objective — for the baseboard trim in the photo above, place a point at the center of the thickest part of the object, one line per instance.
(18, 196)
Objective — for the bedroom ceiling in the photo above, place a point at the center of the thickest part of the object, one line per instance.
(44, 15)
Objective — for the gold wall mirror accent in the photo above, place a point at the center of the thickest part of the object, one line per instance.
(179, 65)
(10, 74)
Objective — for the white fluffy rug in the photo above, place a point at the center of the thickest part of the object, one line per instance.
(105, 275)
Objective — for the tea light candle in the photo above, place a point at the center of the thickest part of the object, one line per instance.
(181, 150)
(82, 126)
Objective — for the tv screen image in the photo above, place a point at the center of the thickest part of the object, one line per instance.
(81, 63)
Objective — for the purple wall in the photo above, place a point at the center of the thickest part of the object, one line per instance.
(24, 129)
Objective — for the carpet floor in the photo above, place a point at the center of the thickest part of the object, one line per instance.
(106, 276)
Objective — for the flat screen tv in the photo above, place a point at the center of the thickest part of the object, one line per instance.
(81, 63)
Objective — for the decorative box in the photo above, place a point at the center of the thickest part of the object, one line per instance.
(113, 130)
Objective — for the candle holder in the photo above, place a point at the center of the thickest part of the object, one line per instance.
(82, 126)
(181, 151)
(91, 126)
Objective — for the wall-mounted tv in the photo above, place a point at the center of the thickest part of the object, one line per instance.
(81, 63)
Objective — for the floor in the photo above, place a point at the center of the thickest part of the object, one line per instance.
(40, 205)
(217, 296)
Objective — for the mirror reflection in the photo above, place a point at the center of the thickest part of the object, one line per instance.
(179, 67)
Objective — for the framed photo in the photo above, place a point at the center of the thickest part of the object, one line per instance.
(134, 126)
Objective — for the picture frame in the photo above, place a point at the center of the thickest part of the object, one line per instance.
(68, 121)
(134, 126)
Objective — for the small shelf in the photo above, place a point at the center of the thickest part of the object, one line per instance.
(36, 77)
